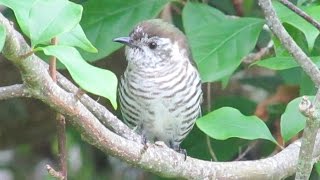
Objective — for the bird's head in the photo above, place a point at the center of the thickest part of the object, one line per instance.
(155, 42)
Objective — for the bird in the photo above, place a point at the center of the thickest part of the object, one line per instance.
(160, 91)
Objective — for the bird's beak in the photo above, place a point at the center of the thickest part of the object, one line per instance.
(123, 40)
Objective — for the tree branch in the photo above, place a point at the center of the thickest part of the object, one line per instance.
(286, 40)
(301, 13)
(105, 116)
(305, 163)
(13, 91)
(157, 159)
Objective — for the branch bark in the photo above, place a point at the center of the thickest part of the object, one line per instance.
(305, 162)
(83, 114)
(13, 91)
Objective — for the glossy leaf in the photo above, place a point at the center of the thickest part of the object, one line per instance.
(297, 35)
(292, 121)
(228, 122)
(290, 17)
(291, 76)
(21, 10)
(49, 18)
(219, 46)
(106, 19)
(92, 79)
(77, 38)
(42, 20)
(2, 37)
(306, 86)
(205, 14)
(281, 63)
(316, 48)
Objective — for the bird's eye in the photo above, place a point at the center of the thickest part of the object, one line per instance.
(152, 45)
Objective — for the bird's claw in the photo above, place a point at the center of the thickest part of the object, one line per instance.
(181, 151)
(184, 152)
(144, 142)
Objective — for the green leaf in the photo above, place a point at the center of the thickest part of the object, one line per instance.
(49, 18)
(77, 38)
(316, 48)
(219, 46)
(282, 63)
(307, 86)
(228, 122)
(2, 37)
(296, 35)
(292, 121)
(107, 19)
(205, 14)
(92, 79)
(290, 17)
(291, 76)
(317, 167)
(42, 20)
(21, 10)
(277, 63)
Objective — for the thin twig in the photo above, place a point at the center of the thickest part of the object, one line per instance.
(253, 57)
(245, 152)
(61, 133)
(211, 151)
(301, 13)
(212, 154)
(53, 62)
(61, 124)
(13, 91)
(238, 6)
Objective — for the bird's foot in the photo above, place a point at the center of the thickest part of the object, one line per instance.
(144, 143)
(179, 150)
(183, 151)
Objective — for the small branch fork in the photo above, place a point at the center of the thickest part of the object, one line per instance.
(308, 109)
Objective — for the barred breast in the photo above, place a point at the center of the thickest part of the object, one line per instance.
(163, 103)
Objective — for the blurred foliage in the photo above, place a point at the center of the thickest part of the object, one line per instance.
(219, 43)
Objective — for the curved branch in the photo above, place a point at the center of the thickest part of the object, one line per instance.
(13, 91)
(305, 162)
(157, 159)
(105, 116)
